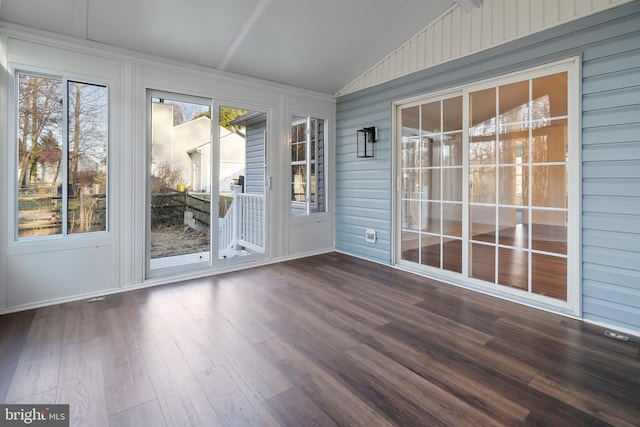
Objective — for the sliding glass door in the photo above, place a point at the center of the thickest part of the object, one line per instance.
(484, 192)
(206, 183)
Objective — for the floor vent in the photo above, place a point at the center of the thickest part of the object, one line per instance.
(616, 336)
(96, 299)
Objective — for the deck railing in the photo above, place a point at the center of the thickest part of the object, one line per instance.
(243, 224)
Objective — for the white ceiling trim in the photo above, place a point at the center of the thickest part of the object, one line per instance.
(243, 33)
(468, 5)
(81, 18)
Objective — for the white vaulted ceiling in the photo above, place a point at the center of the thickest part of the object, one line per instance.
(321, 45)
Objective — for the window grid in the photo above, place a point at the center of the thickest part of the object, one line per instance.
(518, 167)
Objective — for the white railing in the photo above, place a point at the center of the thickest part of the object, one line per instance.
(226, 229)
(251, 221)
(243, 224)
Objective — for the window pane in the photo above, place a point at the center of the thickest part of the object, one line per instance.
(430, 118)
(430, 250)
(513, 268)
(430, 151)
(410, 186)
(409, 156)
(550, 186)
(452, 254)
(431, 217)
(483, 220)
(482, 150)
(482, 261)
(511, 185)
(452, 114)
(513, 228)
(514, 102)
(411, 121)
(514, 147)
(549, 276)
(299, 183)
(550, 96)
(410, 246)
(87, 171)
(452, 184)
(482, 181)
(452, 219)
(430, 184)
(410, 214)
(301, 151)
(482, 114)
(549, 231)
(550, 143)
(39, 156)
(452, 149)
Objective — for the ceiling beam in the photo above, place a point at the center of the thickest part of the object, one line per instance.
(468, 5)
(243, 33)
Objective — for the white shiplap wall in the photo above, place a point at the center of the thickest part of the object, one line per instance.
(458, 33)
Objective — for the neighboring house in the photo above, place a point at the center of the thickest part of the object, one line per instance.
(256, 136)
(187, 147)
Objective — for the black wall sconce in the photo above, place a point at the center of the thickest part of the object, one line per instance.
(365, 138)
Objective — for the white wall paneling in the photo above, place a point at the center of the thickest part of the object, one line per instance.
(35, 272)
(458, 32)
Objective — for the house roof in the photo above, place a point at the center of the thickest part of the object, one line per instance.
(315, 45)
(250, 118)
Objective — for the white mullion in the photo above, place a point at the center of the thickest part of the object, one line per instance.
(65, 157)
(496, 160)
(465, 179)
(530, 195)
(441, 183)
(316, 163)
(307, 149)
(420, 170)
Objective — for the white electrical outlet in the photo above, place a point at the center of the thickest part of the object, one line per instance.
(370, 235)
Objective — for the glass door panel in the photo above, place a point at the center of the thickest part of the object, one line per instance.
(241, 190)
(431, 173)
(179, 174)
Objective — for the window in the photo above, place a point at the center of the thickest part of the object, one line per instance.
(485, 184)
(307, 165)
(62, 146)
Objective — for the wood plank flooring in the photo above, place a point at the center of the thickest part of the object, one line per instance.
(322, 341)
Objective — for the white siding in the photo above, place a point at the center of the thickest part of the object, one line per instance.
(458, 33)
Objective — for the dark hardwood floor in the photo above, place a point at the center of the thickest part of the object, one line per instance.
(322, 341)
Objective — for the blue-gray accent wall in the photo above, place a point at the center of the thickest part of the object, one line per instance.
(609, 43)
